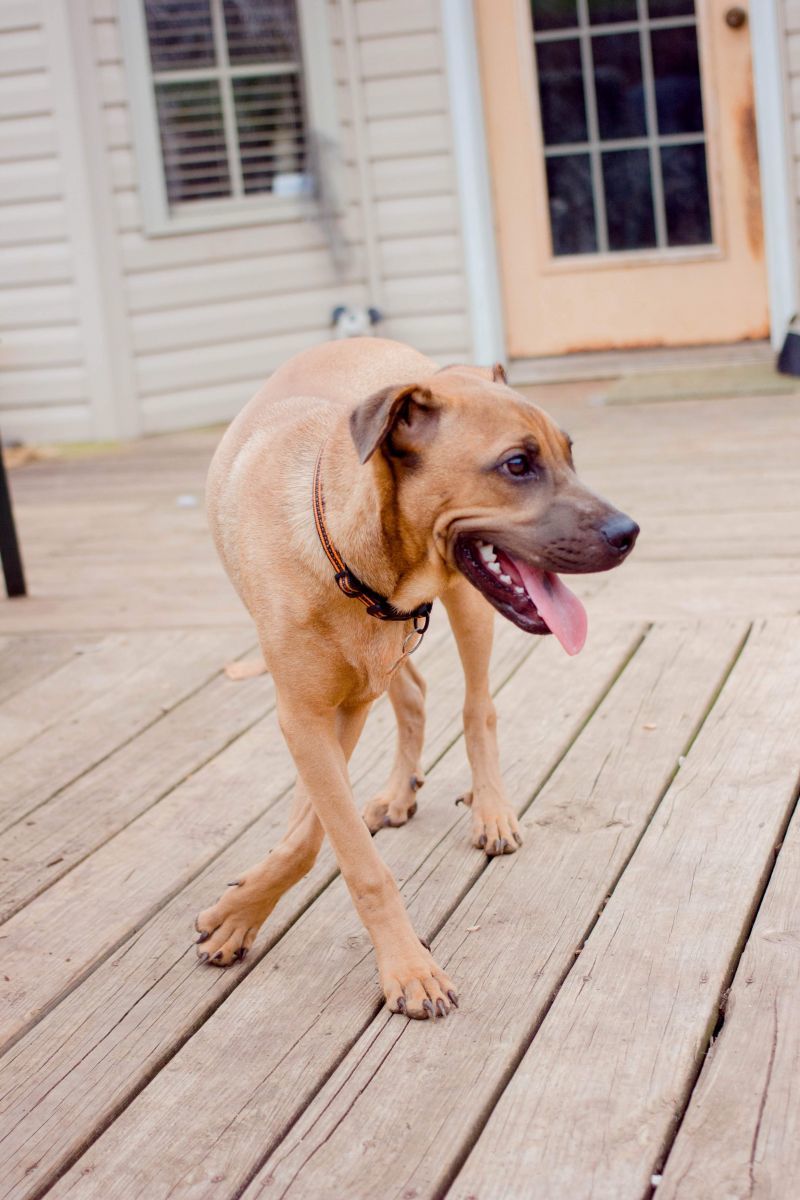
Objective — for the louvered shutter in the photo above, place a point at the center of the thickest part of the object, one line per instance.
(227, 78)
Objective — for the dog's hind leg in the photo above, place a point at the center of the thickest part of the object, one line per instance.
(495, 828)
(397, 801)
(228, 929)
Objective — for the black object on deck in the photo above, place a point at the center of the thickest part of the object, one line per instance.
(9, 546)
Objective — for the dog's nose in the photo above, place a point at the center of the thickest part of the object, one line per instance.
(620, 532)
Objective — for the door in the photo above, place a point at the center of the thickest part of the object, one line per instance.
(625, 172)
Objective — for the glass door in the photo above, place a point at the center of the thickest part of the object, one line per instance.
(625, 172)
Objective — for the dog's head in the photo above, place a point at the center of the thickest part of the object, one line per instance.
(490, 479)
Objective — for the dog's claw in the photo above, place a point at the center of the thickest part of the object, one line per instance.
(201, 958)
(241, 953)
(518, 839)
(453, 998)
(416, 783)
(401, 1005)
(441, 1010)
(203, 938)
(460, 800)
(427, 1006)
(482, 841)
(427, 945)
(236, 883)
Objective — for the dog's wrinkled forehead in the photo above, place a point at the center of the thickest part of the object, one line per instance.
(506, 412)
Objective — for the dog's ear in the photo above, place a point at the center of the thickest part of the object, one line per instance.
(499, 373)
(403, 414)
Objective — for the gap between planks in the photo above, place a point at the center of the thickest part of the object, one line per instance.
(334, 1013)
(94, 1024)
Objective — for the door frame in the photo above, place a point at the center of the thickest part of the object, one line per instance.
(768, 43)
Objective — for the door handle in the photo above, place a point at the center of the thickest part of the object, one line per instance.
(736, 17)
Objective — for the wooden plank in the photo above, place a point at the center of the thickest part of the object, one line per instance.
(77, 742)
(93, 667)
(740, 1136)
(36, 853)
(509, 944)
(56, 939)
(141, 1004)
(326, 960)
(597, 1097)
(24, 660)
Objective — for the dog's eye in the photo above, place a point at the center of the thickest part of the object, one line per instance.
(519, 465)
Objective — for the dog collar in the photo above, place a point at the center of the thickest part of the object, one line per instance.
(375, 604)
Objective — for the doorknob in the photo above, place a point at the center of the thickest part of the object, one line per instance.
(736, 17)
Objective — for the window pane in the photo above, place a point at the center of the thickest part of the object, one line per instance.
(629, 199)
(677, 80)
(554, 14)
(671, 8)
(618, 85)
(569, 187)
(269, 117)
(602, 12)
(686, 195)
(192, 141)
(261, 31)
(561, 91)
(180, 34)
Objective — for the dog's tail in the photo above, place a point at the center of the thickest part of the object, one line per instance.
(246, 670)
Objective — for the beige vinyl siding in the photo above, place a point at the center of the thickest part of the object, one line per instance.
(210, 314)
(43, 376)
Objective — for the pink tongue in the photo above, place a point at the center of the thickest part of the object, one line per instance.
(559, 608)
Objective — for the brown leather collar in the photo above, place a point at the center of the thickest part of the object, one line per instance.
(375, 604)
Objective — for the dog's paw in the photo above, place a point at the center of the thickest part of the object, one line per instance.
(395, 805)
(495, 828)
(417, 988)
(228, 929)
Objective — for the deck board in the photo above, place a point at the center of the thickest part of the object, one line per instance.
(592, 1106)
(508, 945)
(127, 1070)
(326, 959)
(740, 1136)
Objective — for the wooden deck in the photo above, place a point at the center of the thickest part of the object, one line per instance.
(630, 980)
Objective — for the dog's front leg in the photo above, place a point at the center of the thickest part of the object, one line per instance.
(412, 982)
(495, 828)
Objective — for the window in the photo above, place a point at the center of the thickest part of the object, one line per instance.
(227, 119)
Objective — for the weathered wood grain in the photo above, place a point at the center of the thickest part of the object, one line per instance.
(740, 1136)
(23, 660)
(36, 852)
(509, 944)
(595, 1101)
(77, 742)
(93, 668)
(137, 1007)
(294, 1016)
(70, 927)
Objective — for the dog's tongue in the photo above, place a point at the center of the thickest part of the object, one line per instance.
(559, 608)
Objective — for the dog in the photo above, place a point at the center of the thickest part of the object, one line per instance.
(359, 485)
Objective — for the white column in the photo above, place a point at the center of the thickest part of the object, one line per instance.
(768, 40)
(474, 186)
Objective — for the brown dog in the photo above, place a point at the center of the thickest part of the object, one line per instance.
(360, 464)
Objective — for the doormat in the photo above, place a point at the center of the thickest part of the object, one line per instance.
(709, 383)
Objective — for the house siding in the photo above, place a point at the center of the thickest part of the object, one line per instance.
(210, 314)
(44, 385)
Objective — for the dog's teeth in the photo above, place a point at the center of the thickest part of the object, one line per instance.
(505, 579)
(487, 552)
(520, 591)
(494, 566)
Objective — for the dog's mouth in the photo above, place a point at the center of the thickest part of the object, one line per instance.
(535, 600)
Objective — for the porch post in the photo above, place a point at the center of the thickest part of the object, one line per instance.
(474, 185)
(768, 41)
